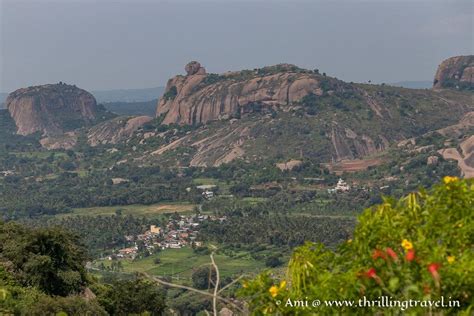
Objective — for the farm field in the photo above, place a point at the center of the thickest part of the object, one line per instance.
(179, 264)
(137, 210)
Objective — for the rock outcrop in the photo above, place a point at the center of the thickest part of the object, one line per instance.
(455, 72)
(63, 141)
(115, 130)
(199, 97)
(51, 109)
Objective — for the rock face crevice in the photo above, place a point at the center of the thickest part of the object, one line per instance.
(455, 72)
(199, 97)
(51, 109)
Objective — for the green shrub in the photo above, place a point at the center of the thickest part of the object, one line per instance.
(416, 248)
(171, 93)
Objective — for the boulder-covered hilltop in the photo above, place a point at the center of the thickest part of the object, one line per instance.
(455, 72)
(286, 113)
(51, 109)
(199, 97)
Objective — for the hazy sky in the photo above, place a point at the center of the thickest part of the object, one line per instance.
(107, 44)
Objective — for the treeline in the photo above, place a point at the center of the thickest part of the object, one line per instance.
(42, 272)
(28, 198)
(100, 234)
(278, 230)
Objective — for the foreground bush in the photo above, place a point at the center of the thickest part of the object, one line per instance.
(419, 248)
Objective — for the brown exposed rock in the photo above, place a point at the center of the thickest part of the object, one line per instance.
(346, 144)
(432, 160)
(115, 130)
(194, 68)
(65, 141)
(200, 98)
(51, 109)
(455, 72)
(289, 165)
(465, 159)
(352, 165)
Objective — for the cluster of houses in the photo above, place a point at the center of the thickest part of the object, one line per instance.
(340, 187)
(7, 173)
(206, 190)
(180, 231)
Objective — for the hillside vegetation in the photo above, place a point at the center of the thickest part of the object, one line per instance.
(418, 248)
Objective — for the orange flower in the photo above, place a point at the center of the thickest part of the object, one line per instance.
(371, 273)
(410, 256)
(433, 269)
(378, 254)
(392, 254)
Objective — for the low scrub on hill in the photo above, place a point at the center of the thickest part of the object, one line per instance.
(406, 254)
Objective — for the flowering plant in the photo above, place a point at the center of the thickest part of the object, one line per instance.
(416, 248)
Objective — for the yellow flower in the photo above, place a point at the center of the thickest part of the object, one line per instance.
(407, 245)
(282, 284)
(273, 291)
(244, 285)
(451, 259)
(449, 179)
(349, 241)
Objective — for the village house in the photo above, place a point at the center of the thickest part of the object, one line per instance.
(341, 186)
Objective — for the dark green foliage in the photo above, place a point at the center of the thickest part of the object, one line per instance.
(20, 197)
(171, 93)
(49, 259)
(188, 303)
(280, 230)
(10, 141)
(101, 233)
(204, 277)
(71, 305)
(134, 296)
(273, 262)
(132, 108)
(211, 78)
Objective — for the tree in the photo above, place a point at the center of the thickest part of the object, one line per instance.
(273, 262)
(204, 277)
(135, 296)
(50, 259)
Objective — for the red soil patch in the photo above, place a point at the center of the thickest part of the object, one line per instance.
(352, 165)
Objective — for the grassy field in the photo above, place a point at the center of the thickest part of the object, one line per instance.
(39, 154)
(179, 263)
(223, 186)
(140, 210)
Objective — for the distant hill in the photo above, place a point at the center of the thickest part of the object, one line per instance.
(283, 113)
(52, 108)
(132, 108)
(413, 84)
(128, 95)
(455, 73)
(117, 95)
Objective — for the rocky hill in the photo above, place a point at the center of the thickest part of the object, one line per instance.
(51, 109)
(199, 97)
(284, 112)
(455, 72)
